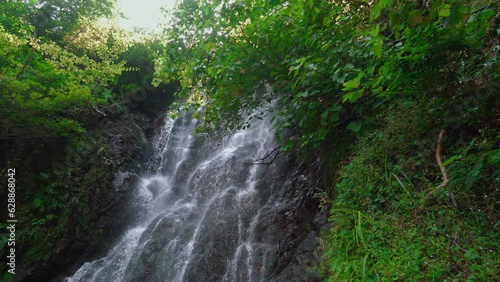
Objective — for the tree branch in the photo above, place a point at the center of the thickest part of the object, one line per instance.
(97, 110)
(446, 180)
(28, 59)
(272, 155)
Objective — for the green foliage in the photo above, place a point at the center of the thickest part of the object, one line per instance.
(139, 57)
(50, 89)
(62, 206)
(47, 221)
(321, 58)
(51, 19)
(390, 169)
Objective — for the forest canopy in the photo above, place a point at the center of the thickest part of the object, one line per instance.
(331, 63)
(57, 67)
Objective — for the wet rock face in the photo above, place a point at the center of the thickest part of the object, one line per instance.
(293, 228)
(214, 215)
(304, 260)
(106, 171)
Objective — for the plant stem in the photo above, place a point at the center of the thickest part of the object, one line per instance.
(446, 180)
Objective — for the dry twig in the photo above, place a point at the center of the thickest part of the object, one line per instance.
(446, 180)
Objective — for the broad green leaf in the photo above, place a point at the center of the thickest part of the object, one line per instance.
(377, 90)
(354, 126)
(375, 31)
(353, 96)
(473, 175)
(377, 48)
(451, 159)
(303, 94)
(445, 11)
(340, 78)
(476, 169)
(327, 21)
(377, 8)
(37, 202)
(494, 157)
(353, 83)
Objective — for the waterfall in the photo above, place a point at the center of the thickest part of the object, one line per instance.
(208, 211)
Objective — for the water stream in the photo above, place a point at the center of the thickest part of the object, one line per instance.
(206, 212)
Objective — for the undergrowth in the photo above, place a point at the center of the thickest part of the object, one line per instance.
(381, 229)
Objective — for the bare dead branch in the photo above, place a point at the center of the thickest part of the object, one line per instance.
(95, 108)
(446, 180)
(267, 159)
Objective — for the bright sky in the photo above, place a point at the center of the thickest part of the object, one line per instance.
(143, 13)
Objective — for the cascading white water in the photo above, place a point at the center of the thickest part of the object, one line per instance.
(205, 206)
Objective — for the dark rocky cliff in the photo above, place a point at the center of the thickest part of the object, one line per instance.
(96, 177)
(100, 174)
